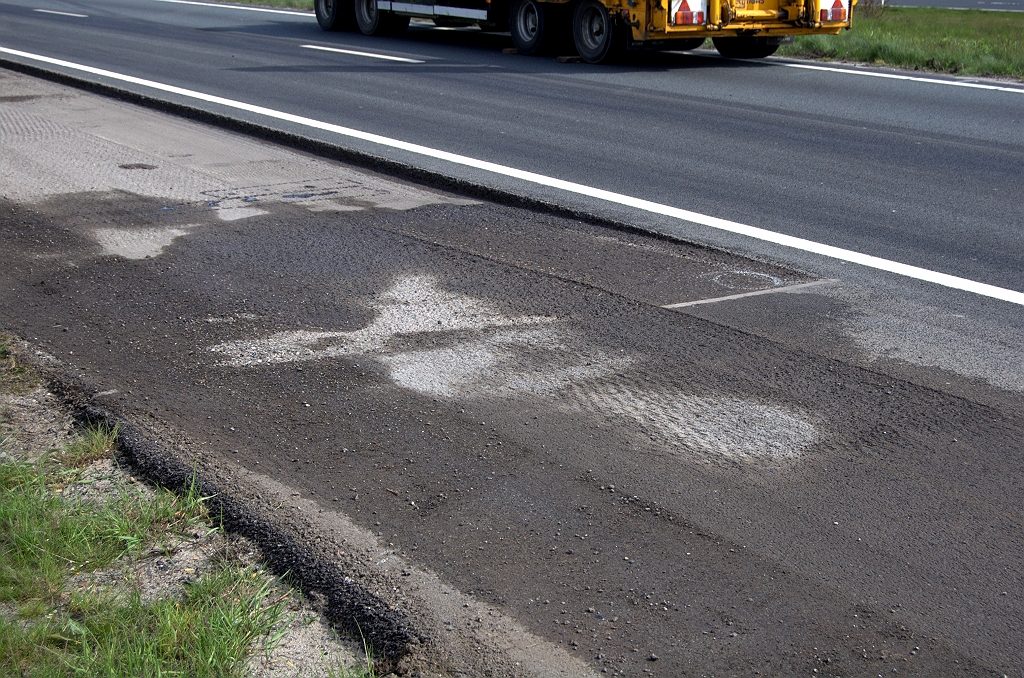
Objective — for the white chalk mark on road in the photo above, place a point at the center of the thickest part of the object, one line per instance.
(774, 290)
(61, 13)
(137, 243)
(371, 55)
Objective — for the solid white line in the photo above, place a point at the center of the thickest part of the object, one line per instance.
(364, 54)
(895, 76)
(53, 11)
(247, 9)
(773, 290)
(801, 244)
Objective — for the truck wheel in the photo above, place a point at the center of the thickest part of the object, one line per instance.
(335, 15)
(597, 35)
(745, 47)
(372, 21)
(529, 21)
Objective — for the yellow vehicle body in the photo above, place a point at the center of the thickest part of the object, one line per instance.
(652, 20)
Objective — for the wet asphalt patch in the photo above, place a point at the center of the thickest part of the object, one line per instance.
(496, 396)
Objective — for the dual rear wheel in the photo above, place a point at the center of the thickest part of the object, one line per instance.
(538, 28)
(347, 15)
(542, 28)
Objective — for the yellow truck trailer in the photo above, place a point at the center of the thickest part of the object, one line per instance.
(602, 29)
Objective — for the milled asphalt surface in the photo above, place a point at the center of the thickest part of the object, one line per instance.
(495, 396)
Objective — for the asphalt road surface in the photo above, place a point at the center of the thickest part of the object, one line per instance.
(826, 479)
(500, 397)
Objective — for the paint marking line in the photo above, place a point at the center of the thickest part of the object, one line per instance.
(239, 7)
(53, 11)
(365, 54)
(896, 76)
(773, 290)
(801, 244)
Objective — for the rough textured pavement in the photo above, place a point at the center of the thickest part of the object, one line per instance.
(496, 399)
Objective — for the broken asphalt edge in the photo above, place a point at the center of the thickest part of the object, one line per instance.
(369, 161)
(294, 541)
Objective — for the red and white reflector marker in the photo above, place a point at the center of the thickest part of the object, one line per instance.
(839, 11)
(683, 15)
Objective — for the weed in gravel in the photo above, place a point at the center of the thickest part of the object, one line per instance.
(15, 376)
(92, 444)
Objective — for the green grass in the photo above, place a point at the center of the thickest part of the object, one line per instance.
(968, 42)
(208, 633)
(93, 444)
(46, 538)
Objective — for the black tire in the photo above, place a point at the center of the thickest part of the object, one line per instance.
(598, 36)
(372, 21)
(686, 44)
(746, 48)
(335, 15)
(535, 26)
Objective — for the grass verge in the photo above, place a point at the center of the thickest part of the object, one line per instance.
(51, 535)
(966, 42)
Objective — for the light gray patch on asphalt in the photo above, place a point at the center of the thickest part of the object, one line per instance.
(236, 213)
(888, 326)
(728, 426)
(137, 243)
(501, 366)
(51, 148)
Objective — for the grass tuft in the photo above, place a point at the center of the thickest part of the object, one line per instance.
(15, 376)
(92, 444)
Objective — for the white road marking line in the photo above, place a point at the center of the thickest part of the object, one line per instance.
(308, 15)
(915, 272)
(896, 76)
(364, 54)
(53, 11)
(773, 290)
